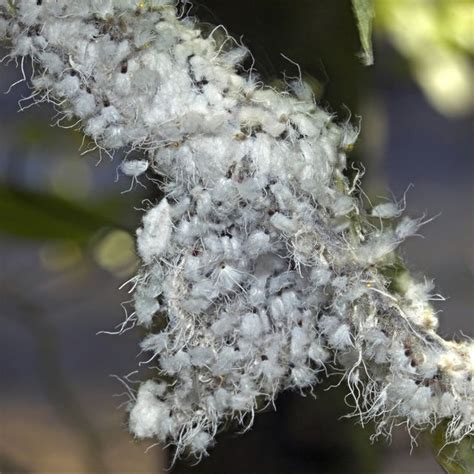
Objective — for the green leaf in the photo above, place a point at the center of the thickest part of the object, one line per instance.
(364, 13)
(36, 215)
(455, 458)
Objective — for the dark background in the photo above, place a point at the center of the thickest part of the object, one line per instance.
(66, 247)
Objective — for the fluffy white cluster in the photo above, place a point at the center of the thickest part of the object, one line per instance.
(261, 265)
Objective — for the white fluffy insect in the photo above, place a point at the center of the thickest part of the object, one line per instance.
(154, 236)
(133, 169)
(386, 210)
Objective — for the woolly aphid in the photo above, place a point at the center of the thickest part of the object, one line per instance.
(261, 266)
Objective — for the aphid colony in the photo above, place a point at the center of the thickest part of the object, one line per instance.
(260, 265)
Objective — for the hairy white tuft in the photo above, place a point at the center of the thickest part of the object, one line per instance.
(265, 264)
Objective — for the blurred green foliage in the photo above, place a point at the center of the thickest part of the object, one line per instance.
(436, 37)
(35, 215)
(455, 458)
(364, 13)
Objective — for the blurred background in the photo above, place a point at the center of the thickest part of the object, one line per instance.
(66, 231)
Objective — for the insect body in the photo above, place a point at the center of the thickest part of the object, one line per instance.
(133, 168)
